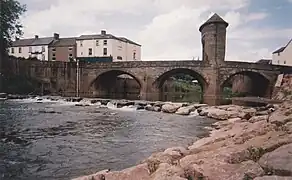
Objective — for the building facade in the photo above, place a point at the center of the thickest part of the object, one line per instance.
(66, 49)
(32, 48)
(283, 55)
(107, 45)
(63, 49)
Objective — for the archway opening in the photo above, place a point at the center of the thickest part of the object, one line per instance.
(181, 85)
(245, 85)
(116, 85)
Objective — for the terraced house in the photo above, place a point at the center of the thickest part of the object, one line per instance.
(283, 55)
(108, 45)
(63, 49)
(85, 47)
(33, 48)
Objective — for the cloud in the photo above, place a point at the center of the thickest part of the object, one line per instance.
(167, 29)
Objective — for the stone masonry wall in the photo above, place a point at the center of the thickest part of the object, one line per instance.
(284, 92)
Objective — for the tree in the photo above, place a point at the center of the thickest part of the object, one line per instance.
(10, 27)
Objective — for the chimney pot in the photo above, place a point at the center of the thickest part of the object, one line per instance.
(103, 32)
(56, 36)
(36, 36)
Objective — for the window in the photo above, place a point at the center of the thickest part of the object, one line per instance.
(43, 57)
(70, 55)
(70, 48)
(90, 51)
(284, 62)
(105, 42)
(54, 58)
(12, 50)
(54, 49)
(119, 58)
(54, 55)
(278, 61)
(97, 43)
(104, 51)
(30, 49)
(43, 49)
(134, 55)
(19, 50)
(278, 54)
(81, 53)
(81, 43)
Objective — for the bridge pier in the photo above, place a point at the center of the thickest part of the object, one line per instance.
(212, 92)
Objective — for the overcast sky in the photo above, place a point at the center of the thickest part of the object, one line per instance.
(167, 29)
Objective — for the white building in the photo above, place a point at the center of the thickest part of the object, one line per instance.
(34, 47)
(283, 55)
(106, 45)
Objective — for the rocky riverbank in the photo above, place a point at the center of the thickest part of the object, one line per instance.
(247, 143)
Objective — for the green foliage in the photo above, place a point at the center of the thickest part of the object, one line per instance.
(19, 85)
(255, 153)
(184, 77)
(11, 11)
(153, 165)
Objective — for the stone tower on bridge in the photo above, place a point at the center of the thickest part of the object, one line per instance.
(213, 35)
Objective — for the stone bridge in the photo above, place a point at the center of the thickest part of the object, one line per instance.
(212, 73)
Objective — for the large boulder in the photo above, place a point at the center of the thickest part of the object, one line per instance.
(3, 95)
(171, 107)
(279, 162)
(281, 116)
(222, 114)
(273, 178)
(121, 104)
(140, 172)
(168, 172)
(216, 170)
(185, 110)
(258, 118)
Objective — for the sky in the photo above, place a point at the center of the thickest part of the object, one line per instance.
(167, 29)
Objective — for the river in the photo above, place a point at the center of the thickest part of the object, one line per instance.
(57, 140)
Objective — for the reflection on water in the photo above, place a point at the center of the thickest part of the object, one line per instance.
(54, 141)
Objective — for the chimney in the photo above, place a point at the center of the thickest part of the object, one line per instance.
(36, 36)
(103, 32)
(56, 36)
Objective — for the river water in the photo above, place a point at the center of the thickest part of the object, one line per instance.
(53, 140)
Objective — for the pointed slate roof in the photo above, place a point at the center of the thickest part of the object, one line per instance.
(281, 49)
(214, 19)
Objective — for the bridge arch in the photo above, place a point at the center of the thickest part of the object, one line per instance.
(164, 89)
(116, 84)
(243, 83)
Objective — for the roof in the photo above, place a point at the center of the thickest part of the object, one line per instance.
(129, 41)
(96, 36)
(105, 36)
(264, 61)
(64, 42)
(32, 42)
(22, 42)
(281, 49)
(214, 19)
